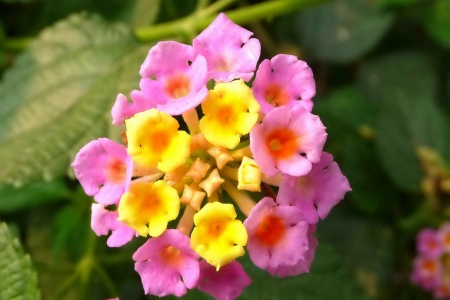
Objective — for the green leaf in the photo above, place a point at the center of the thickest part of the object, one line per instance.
(410, 120)
(341, 31)
(384, 76)
(58, 95)
(366, 247)
(437, 21)
(34, 194)
(18, 279)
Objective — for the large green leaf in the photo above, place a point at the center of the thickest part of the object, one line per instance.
(437, 21)
(410, 120)
(37, 193)
(58, 95)
(343, 30)
(18, 280)
(384, 76)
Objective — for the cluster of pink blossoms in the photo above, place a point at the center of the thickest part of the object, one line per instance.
(238, 141)
(431, 268)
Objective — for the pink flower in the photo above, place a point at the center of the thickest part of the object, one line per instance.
(163, 261)
(288, 140)
(104, 169)
(284, 80)
(228, 49)
(429, 243)
(103, 220)
(427, 272)
(316, 192)
(174, 76)
(278, 235)
(444, 236)
(302, 266)
(123, 109)
(225, 284)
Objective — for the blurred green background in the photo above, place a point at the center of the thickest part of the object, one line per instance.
(382, 70)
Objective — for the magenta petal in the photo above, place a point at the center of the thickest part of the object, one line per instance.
(429, 243)
(225, 284)
(292, 242)
(103, 220)
(302, 266)
(228, 49)
(299, 134)
(104, 169)
(292, 78)
(174, 76)
(160, 272)
(123, 109)
(324, 186)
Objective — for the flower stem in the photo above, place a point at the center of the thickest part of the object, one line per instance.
(200, 20)
(242, 199)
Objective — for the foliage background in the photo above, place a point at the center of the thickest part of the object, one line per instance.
(382, 70)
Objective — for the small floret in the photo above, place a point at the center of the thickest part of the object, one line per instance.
(284, 80)
(167, 264)
(154, 204)
(225, 284)
(288, 140)
(174, 76)
(228, 49)
(230, 112)
(104, 170)
(153, 140)
(317, 192)
(218, 237)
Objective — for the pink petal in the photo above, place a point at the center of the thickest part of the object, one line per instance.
(225, 284)
(123, 109)
(95, 167)
(293, 76)
(228, 49)
(290, 248)
(161, 278)
(324, 186)
(429, 243)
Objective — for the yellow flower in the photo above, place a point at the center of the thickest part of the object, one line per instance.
(230, 112)
(154, 204)
(153, 140)
(218, 237)
(249, 175)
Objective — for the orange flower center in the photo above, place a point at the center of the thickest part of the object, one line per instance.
(225, 114)
(429, 266)
(116, 170)
(216, 229)
(159, 141)
(270, 231)
(275, 95)
(171, 256)
(447, 238)
(282, 143)
(178, 86)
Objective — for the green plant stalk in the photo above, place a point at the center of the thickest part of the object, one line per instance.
(200, 20)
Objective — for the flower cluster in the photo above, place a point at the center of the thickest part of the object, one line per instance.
(431, 267)
(197, 137)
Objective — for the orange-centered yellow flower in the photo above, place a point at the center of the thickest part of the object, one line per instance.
(230, 112)
(154, 140)
(218, 237)
(154, 204)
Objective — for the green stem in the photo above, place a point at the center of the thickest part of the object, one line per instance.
(216, 7)
(199, 21)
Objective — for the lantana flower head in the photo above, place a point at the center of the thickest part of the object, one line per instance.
(228, 49)
(284, 80)
(431, 268)
(188, 183)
